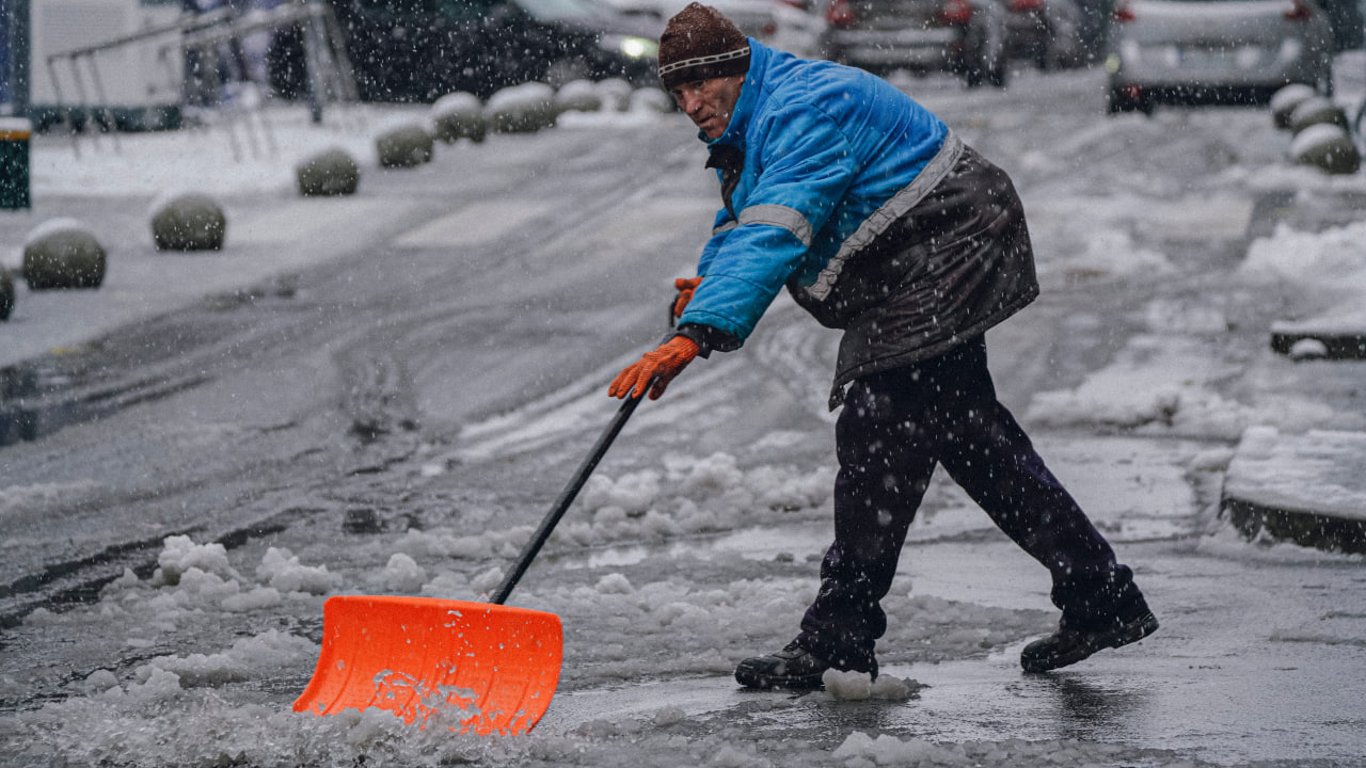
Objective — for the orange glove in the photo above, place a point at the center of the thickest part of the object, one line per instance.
(686, 286)
(661, 365)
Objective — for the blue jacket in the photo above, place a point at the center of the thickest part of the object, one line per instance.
(824, 148)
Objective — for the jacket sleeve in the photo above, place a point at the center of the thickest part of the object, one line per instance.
(805, 167)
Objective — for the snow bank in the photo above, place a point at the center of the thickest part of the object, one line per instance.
(1333, 260)
(1166, 385)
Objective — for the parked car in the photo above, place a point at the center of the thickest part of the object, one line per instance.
(420, 50)
(966, 37)
(1045, 32)
(788, 25)
(1214, 51)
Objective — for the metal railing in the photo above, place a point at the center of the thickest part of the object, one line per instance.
(330, 77)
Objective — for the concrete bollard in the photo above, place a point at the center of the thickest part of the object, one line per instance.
(1327, 147)
(524, 108)
(1284, 101)
(458, 116)
(578, 96)
(1316, 110)
(329, 173)
(188, 222)
(62, 253)
(406, 146)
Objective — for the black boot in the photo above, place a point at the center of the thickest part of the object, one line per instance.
(793, 667)
(1069, 646)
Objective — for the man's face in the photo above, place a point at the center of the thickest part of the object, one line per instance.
(709, 102)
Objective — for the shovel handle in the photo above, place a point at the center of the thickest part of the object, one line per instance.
(538, 539)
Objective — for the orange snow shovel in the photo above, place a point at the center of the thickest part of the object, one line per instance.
(488, 667)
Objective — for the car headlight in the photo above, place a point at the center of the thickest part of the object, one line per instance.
(630, 46)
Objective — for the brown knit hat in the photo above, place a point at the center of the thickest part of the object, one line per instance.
(699, 43)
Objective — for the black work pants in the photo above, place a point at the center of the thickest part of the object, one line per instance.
(895, 427)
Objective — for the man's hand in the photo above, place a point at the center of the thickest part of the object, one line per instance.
(662, 365)
(686, 287)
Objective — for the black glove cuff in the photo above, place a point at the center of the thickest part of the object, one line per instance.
(709, 339)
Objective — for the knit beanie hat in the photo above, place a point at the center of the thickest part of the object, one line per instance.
(698, 44)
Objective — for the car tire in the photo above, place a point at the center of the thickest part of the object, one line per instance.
(999, 74)
(1116, 102)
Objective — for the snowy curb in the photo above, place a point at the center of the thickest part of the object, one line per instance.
(1308, 489)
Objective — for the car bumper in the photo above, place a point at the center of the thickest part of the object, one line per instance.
(911, 48)
(1193, 69)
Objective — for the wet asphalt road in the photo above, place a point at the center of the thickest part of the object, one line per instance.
(277, 413)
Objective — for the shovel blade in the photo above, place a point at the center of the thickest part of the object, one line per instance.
(480, 667)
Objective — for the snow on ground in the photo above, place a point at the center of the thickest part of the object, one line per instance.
(1166, 382)
(183, 707)
(172, 705)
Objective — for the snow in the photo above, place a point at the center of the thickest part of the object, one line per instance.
(1160, 384)
(182, 708)
(1315, 472)
(1329, 262)
(1317, 136)
(53, 226)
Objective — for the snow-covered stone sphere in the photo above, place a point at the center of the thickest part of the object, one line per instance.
(524, 108)
(328, 173)
(1284, 101)
(1328, 147)
(578, 96)
(404, 146)
(1316, 110)
(188, 222)
(458, 116)
(62, 253)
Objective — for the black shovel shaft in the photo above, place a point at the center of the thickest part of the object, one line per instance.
(567, 496)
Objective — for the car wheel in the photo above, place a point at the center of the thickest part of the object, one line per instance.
(999, 73)
(1117, 101)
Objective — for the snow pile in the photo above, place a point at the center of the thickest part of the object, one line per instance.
(402, 574)
(260, 657)
(694, 495)
(1165, 385)
(181, 556)
(1333, 261)
(857, 686)
(690, 496)
(1316, 472)
(195, 579)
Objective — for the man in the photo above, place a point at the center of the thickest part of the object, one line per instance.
(882, 223)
